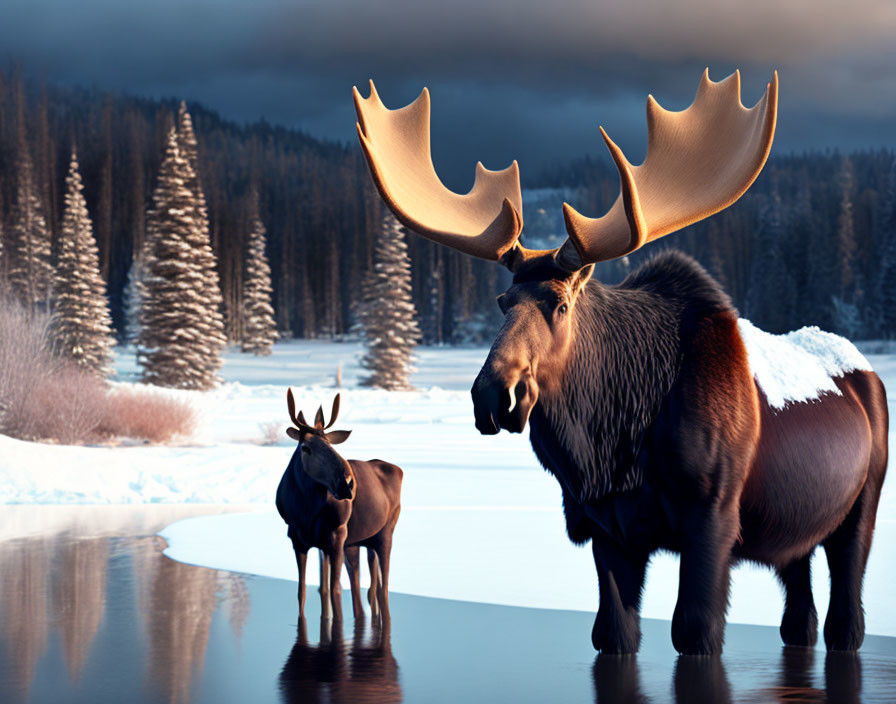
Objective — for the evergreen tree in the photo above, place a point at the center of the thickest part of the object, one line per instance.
(772, 293)
(81, 329)
(181, 327)
(259, 326)
(29, 271)
(846, 235)
(387, 311)
(885, 323)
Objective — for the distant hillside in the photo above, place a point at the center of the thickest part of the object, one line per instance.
(813, 241)
(317, 200)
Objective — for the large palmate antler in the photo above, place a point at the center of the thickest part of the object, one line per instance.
(699, 161)
(486, 222)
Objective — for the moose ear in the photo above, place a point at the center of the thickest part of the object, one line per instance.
(338, 436)
(294, 434)
(319, 417)
(580, 278)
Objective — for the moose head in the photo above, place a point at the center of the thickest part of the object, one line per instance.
(319, 460)
(699, 161)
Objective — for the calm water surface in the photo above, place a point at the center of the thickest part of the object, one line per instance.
(100, 615)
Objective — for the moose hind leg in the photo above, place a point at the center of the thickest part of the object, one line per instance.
(799, 625)
(373, 593)
(847, 552)
(353, 563)
(617, 626)
(325, 602)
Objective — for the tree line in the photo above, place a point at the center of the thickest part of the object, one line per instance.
(813, 242)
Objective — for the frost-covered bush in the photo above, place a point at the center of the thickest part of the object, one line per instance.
(132, 412)
(25, 364)
(42, 398)
(66, 406)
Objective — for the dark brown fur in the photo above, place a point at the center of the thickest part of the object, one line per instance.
(642, 404)
(339, 527)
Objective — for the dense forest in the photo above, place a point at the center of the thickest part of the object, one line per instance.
(813, 242)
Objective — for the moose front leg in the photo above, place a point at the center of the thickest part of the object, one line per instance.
(336, 555)
(708, 533)
(617, 626)
(301, 559)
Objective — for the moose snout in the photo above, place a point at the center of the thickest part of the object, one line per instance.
(345, 489)
(500, 404)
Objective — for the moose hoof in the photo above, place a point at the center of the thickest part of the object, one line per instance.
(616, 636)
(844, 633)
(800, 629)
(696, 635)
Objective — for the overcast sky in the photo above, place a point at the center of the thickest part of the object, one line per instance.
(509, 78)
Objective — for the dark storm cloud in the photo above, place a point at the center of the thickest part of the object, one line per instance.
(510, 79)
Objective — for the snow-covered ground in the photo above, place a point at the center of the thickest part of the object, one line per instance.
(480, 520)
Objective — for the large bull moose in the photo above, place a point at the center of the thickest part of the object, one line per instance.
(669, 423)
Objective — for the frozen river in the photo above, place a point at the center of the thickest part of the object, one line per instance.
(92, 611)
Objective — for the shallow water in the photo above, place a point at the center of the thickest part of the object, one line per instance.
(94, 615)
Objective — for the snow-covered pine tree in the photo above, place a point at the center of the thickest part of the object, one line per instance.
(387, 311)
(81, 327)
(29, 271)
(259, 327)
(181, 327)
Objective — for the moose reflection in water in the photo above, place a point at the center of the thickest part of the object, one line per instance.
(332, 670)
(338, 506)
(704, 679)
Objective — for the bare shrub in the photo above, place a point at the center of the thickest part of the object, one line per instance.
(147, 415)
(25, 363)
(44, 399)
(67, 405)
(271, 432)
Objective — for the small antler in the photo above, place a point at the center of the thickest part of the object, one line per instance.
(699, 161)
(333, 413)
(486, 222)
(297, 420)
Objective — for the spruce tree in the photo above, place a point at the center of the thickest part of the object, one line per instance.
(259, 327)
(387, 312)
(81, 329)
(29, 271)
(181, 327)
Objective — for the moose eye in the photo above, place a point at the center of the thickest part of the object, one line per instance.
(306, 449)
(502, 302)
(562, 309)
